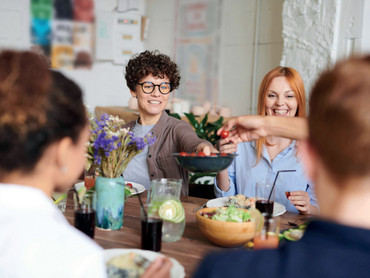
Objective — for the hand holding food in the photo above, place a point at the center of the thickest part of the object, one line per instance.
(206, 149)
(226, 146)
(250, 128)
(160, 268)
(224, 134)
(301, 200)
(244, 128)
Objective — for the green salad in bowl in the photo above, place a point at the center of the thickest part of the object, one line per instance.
(227, 226)
(229, 214)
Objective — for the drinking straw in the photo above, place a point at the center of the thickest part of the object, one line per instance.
(141, 204)
(78, 198)
(273, 186)
(269, 215)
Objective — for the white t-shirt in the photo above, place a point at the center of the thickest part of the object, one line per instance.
(37, 241)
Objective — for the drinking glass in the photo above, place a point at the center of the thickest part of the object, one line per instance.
(85, 207)
(265, 197)
(89, 177)
(151, 228)
(268, 236)
(165, 193)
(60, 200)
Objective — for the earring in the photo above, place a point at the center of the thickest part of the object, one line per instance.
(63, 169)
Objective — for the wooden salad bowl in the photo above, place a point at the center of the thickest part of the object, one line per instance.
(226, 234)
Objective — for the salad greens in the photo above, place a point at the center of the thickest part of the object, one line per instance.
(230, 214)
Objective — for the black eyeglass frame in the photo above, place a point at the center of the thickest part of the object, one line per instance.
(159, 87)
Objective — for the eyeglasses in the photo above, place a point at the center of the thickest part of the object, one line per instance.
(148, 87)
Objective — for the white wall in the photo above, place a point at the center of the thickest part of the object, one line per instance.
(14, 24)
(349, 29)
(238, 45)
(161, 30)
(251, 45)
(318, 33)
(365, 36)
(103, 85)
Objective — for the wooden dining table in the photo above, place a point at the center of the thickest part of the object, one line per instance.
(189, 250)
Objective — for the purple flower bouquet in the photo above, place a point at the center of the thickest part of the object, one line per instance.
(111, 147)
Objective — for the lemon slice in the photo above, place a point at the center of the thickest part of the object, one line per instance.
(180, 217)
(257, 218)
(81, 193)
(293, 234)
(62, 197)
(171, 210)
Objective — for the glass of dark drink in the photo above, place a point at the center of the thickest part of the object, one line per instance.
(85, 206)
(265, 197)
(151, 228)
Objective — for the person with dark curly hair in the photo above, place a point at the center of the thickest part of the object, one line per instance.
(151, 77)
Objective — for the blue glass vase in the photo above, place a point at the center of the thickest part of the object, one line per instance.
(110, 193)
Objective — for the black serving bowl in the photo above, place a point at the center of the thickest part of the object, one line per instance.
(205, 164)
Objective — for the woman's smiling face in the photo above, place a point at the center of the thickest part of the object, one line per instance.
(280, 99)
(151, 105)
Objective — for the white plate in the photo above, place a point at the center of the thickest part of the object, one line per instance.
(177, 270)
(139, 187)
(279, 209)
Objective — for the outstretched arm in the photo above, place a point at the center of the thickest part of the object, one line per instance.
(250, 128)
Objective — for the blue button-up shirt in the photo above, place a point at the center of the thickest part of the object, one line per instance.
(244, 174)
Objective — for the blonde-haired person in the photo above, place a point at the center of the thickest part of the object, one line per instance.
(43, 135)
(336, 155)
(281, 94)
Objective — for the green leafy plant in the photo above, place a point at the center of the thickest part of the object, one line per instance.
(205, 130)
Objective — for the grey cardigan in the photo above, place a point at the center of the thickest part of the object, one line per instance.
(173, 136)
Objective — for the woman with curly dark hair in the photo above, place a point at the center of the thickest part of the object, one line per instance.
(151, 77)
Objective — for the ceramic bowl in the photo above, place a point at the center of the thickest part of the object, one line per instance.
(205, 164)
(226, 234)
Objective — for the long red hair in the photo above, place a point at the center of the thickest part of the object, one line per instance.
(296, 83)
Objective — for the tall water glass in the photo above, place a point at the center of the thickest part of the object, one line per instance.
(165, 194)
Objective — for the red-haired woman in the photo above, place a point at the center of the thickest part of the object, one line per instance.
(281, 94)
